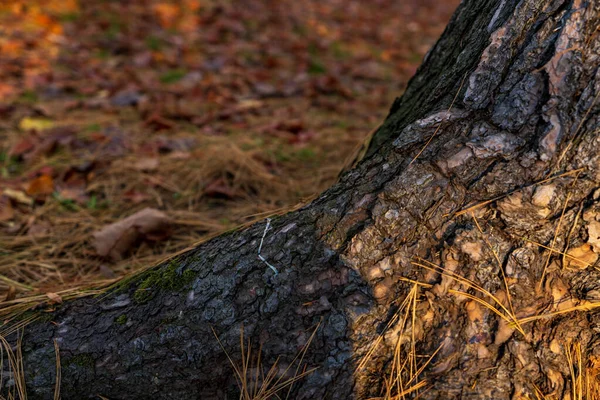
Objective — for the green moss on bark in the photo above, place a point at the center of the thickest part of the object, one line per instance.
(166, 278)
(84, 360)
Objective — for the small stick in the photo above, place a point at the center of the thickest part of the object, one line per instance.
(260, 257)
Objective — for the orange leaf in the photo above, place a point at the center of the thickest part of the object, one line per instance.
(41, 186)
(166, 14)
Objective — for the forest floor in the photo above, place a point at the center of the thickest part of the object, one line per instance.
(210, 113)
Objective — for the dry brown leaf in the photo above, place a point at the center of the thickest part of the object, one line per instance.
(54, 298)
(116, 239)
(6, 210)
(146, 164)
(135, 196)
(21, 147)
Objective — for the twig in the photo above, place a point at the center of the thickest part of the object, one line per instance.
(261, 244)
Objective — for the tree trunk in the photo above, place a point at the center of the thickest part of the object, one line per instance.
(401, 269)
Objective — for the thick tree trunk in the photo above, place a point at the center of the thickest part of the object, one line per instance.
(504, 115)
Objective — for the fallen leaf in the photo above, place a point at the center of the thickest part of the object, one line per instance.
(74, 193)
(6, 210)
(54, 298)
(18, 196)
(219, 188)
(146, 164)
(180, 155)
(21, 147)
(135, 196)
(41, 186)
(292, 126)
(116, 239)
(166, 13)
(35, 124)
(7, 90)
(158, 122)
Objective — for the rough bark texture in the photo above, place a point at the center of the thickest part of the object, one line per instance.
(525, 79)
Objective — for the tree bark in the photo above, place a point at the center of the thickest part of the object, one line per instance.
(501, 117)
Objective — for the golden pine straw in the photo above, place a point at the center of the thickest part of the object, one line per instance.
(552, 250)
(508, 297)
(583, 307)
(568, 239)
(539, 395)
(10, 310)
(9, 328)
(576, 375)
(592, 383)
(398, 366)
(367, 357)
(486, 202)
(11, 282)
(562, 214)
(15, 366)
(303, 353)
(413, 348)
(441, 123)
(483, 303)
(472, 285)
(269, 386)
(58, 371)
(403, 394)
(403, 378)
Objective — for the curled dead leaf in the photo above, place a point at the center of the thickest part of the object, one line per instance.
(116, 239)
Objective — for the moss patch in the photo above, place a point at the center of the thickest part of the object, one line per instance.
(121, 319)
(84, 360)
(163, 278)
